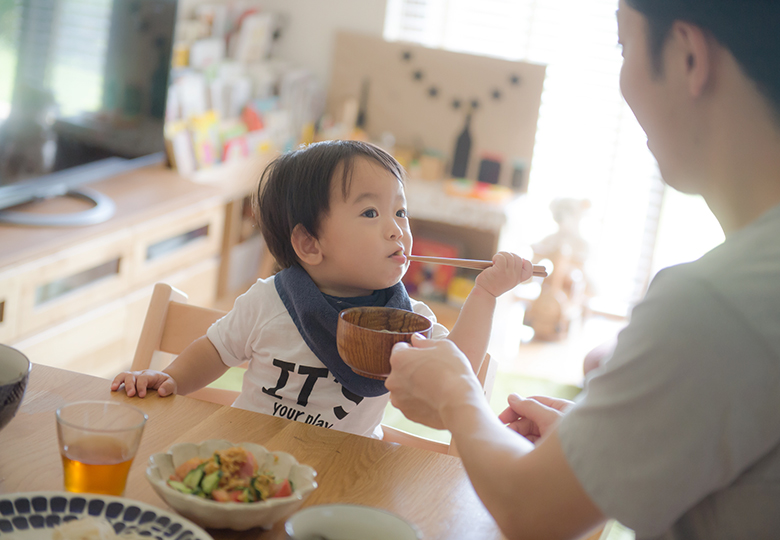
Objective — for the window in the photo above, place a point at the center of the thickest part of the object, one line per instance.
(64, 43)
(588, 143)
(9, 22)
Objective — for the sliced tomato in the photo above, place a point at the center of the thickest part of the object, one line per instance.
(220, 495)
(251, 459)
(236, 495)
(249, 467)
(187, 466)
(283, 489)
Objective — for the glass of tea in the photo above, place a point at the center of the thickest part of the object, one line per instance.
(98, 441)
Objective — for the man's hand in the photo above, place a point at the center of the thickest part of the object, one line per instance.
(429, 376)
(138, 382)
(533, 417)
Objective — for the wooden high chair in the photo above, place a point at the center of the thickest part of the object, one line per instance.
(171, 325)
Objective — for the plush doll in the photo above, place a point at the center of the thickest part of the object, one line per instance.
(562, 297)
(568, 214)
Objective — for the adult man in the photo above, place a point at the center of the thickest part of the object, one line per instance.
(676, 435)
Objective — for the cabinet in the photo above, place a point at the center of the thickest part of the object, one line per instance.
(75, 298)
(471, 225)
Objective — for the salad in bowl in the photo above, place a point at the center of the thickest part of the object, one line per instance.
(219, 484)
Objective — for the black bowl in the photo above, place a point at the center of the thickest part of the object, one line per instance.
(14, 373)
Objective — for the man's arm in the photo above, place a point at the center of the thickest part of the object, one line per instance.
(530, 491)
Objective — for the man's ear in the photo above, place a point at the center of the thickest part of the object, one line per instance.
(306, 246)
(697, 55)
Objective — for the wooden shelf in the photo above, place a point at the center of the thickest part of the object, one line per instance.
(75, 297)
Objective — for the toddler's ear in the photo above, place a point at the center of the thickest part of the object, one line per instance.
(306, 247)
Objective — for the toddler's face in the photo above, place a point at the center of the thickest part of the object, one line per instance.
(364, 239)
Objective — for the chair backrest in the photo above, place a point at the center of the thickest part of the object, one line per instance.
(171, 325)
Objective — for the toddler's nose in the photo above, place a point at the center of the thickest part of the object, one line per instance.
(395, 230)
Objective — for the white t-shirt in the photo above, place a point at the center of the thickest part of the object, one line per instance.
(678, 434)
(284, 377)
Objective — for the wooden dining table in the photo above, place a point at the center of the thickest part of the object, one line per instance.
(426, 488)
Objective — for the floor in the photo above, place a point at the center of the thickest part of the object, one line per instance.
(559, 361)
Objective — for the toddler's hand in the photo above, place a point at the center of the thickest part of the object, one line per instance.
(138, 382)
(508, 271)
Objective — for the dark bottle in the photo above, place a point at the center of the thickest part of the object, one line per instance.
(460, 161)
(360, 122)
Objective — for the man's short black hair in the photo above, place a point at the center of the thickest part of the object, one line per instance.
(295, 189)
(749, 29)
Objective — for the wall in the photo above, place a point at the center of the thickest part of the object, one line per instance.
(310, 27)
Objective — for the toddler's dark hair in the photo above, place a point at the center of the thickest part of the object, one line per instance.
(295, 188)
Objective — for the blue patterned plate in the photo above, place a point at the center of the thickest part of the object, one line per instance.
(33, 516)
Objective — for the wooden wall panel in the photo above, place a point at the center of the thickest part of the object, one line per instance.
(401, 104)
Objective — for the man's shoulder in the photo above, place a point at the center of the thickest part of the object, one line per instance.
(746, 264)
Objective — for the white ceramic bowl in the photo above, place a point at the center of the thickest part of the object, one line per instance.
(349, 522)
(14, 374)
(231, 515)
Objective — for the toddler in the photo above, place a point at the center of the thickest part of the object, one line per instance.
(334, 217)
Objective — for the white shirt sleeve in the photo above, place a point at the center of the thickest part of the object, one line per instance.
(230, 335)
(439, 331)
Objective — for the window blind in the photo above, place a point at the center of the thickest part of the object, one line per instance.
(588, 143)
(9, 22)
(63, 46)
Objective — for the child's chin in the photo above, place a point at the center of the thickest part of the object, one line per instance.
(388, 283)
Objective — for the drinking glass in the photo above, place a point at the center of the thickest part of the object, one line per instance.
(98, 441)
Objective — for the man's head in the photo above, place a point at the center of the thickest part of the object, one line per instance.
(694, 95)
(747, 28)
(295, 189)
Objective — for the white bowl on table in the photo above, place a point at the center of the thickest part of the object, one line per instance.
(349, 522)
(231, 515)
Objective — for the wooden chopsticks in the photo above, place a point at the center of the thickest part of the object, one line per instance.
(540, 271)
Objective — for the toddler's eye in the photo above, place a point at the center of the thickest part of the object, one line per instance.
(370, 213)
(401, 213)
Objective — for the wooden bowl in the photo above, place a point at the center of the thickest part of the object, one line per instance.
(365, 337)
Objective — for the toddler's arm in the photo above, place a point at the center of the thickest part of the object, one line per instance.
(472, 329)
(196, 366)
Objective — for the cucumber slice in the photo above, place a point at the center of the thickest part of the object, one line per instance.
(249, 495)
(193, 478)
(179, 486)
(210, 482)
(261, 489)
